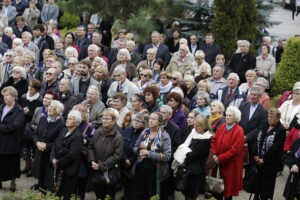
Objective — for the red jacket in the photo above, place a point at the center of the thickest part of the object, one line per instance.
(228, 146)
(290, 138)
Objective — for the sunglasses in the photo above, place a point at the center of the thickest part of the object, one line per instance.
(144, 75)
(174, 78)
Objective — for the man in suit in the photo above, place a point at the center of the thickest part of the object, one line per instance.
(9, 11)
(210, 49)
(194, 46)
(254, 115)
(162, 50)
(6, 66)
(231, 95)
(82, 41)
(135, 58)
(29, 45)
(243, 61)
(51, 83)
(150, 59)
(97, 40)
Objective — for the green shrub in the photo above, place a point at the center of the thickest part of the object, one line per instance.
(69, 20)
(156, 197)
(31, 195)
(289, 71)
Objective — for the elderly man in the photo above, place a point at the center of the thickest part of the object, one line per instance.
(217, 80)
(231, 95)
(97, 40)
(28, 44)
(81, 84)
(243, 61)
(210, 49)
(92, 52)
(150, 59)
(114, 52)
(194, 46)
(82, 41)
(95, 106)
(135, 58)
(66, 97)
(6, 66)
(180, 63)
(51, 83)
(122, 84)
(162, 50)
(58, 67)
(9, 11)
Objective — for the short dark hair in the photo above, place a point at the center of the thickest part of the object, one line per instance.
(160, 62)
(39, 27)
(177, 97)
(20, 18)
(81, 26)
(139, 97)
(121, 96)
(72, 35)
(87, 63)
(264, 45)
(36, 84)
(153, 90)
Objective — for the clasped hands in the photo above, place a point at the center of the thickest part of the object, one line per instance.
(41, 146)
(259, 160)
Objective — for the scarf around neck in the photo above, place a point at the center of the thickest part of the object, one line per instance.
(34, 97)
(195, 135)
(213, 118)
(165, 88)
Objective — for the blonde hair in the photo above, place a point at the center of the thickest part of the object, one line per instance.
(206, 84)
(203, 122)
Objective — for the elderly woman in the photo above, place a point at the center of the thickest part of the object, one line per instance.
(203, 102)
(98, 61)
(12, 122)
(123, 59)
(17, 43)
(251, 78)
(29, 102)
(191, 86)
(227, 148)
(198, 142)
(190, 122)
(66, 97)
(72, 63)
(65, 154)
(165, 84)
(46, 53)
(290, 108)
(70, 52)
(175, 100)
(87, 132)
(220, 60)
(151, 94)
(146, 80)
(268, 155)
(33, 71)
(94, 105)
(201, 67)
(130, 135)
(19, 61)
(216, 118)
(105, 153)
(59, 50)
(18, 81)
(70, 42)
(48, 129)
(152, 147)
(118, 102)
(265, 64)
(137, 102)
(264, 99)
(102, 76)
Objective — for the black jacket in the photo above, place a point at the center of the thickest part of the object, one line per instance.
(105, 85)
(21, 86)
(173, 130)
(211, 53)
(162, 52)
(19, 33)
(67, 151)
(54, 87)
(11, 130)
(32, 105)
(69, 101)
(130, 137)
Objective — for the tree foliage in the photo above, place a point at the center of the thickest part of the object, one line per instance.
(288, 73)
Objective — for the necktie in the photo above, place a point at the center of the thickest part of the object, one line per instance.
(229, 95)
(120, 88)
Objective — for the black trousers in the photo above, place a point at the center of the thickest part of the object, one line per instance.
(102, 190)
(68, 188)
(265, 187)
(81, 187)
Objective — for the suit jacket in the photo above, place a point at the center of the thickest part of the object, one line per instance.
(253, 125)
(240, 64)
(49, 12)
(6, 39)
(11, 14)
(162, 52)
(211, 53)
(18, 33)
(35, 49)
(95, 112)
(237, 97)
(2, 72)
(197, 48)
(176, 138)
(76, 85)
(83, 45)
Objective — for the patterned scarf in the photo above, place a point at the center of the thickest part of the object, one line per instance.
(156, 143)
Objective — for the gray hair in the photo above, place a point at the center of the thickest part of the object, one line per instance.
(126, 52)
(235, 75)
(59, 107)
(263, 81)
(76, 114)
(119, 69)
(9, 29)
(236, 112)
(152, 49)
(72, 50)
(144, 117)
(18, 42)
(28, 34)
(245, 42)
(68, 82)
(188, 77)
(221, 66)
(199, 53)
(130, 42)
(185, 47)
(204, 95)
(256, 89)
(75, 59)
(168, 108)
(219, 104)
(11, 91)
(94, 89)
(93, 46)
(21, 70)
(29, 53)
(183, 41)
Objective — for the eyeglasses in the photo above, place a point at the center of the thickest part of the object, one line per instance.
(174, 78)
(16, 72)
(49, 60)
(8, 55)
(138, 121)
(48, 73)
(144, 75)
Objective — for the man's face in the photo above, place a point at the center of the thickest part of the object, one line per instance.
(244, 48)
(182, 52)
(209, 40)
(57, 68)
(150, 55)
(91, 29)
(232, 82)
(92, 52)
(155, 38)
(84, 70)
(9, 57)
(50, 75)
(120, 77)
(254, 97)
(64, 86)
(194, 39)
(26, 40)
(80, 32)
(166, 116)
(37, 33)
(96, 39)
(217, 72)
(6, 2)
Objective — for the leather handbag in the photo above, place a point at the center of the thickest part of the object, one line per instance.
(215, 184)
(107, 177)
(246, 159)
(182, 179)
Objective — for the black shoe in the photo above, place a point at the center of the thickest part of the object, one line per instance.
(12, 187)
(1, 185)
(35, 187)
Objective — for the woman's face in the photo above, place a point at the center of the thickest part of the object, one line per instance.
(230, 118)
(189, 84)
(272, 119)
(153, 121)
(136, 105)
(46, 54)
(32, 91)
(107, 120)
(264, 50)
(47, 99)
(69, 55)
(199, 60)
(149, 97)
(191, 119)
(220, 61)
(58, 44)
(117, 104)
(91, 96)
(71, 122)
(174, 104)
(28, 59)
(144, 77)
(164, 80)
(198, 128)
(68, 39)
(202, 87)
(200, 101)
(96, 62)
(17, 62)
(52, 110)
(8, 99)
(16, 74)
(98, 74)
(214, 109)
(250, 78)
(156, 67)
(122, 57)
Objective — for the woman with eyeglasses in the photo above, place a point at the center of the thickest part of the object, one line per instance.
(130, 135)
(18, 81)
(153, 149)
(146, 80)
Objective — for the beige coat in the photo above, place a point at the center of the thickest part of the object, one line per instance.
(268, 66)
(31, 16)
(3, 19)
(174, 64)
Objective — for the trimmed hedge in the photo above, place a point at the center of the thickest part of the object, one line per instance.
(289, 71)
(69, 20)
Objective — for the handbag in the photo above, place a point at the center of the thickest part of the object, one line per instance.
(210, 162)
(107, 177)
(215, 184)
(249, 181)
(182, 179)
(58, 179)
(246, 159)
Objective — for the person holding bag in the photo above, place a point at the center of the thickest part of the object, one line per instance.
(104, 154)
(153, 148)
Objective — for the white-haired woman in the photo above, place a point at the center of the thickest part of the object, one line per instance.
(33, 71)
(201, 67)
(203, 102)
(18, 81)
(12, 121)
(59, 50)
(98, 61)
(191, 86)
(66, 152)
(48, 129)
(251, 78)
(264, 99)
(16, 43)
(123, 59)
(146, 80)
(70, 52)
(227, 148)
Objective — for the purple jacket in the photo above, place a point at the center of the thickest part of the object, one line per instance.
(179, 118)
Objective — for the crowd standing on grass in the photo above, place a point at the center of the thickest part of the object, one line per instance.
(86, 114)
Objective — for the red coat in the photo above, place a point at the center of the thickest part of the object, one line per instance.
(290, 138)
(228, 146)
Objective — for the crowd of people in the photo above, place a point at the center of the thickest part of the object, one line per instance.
(146, 119)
